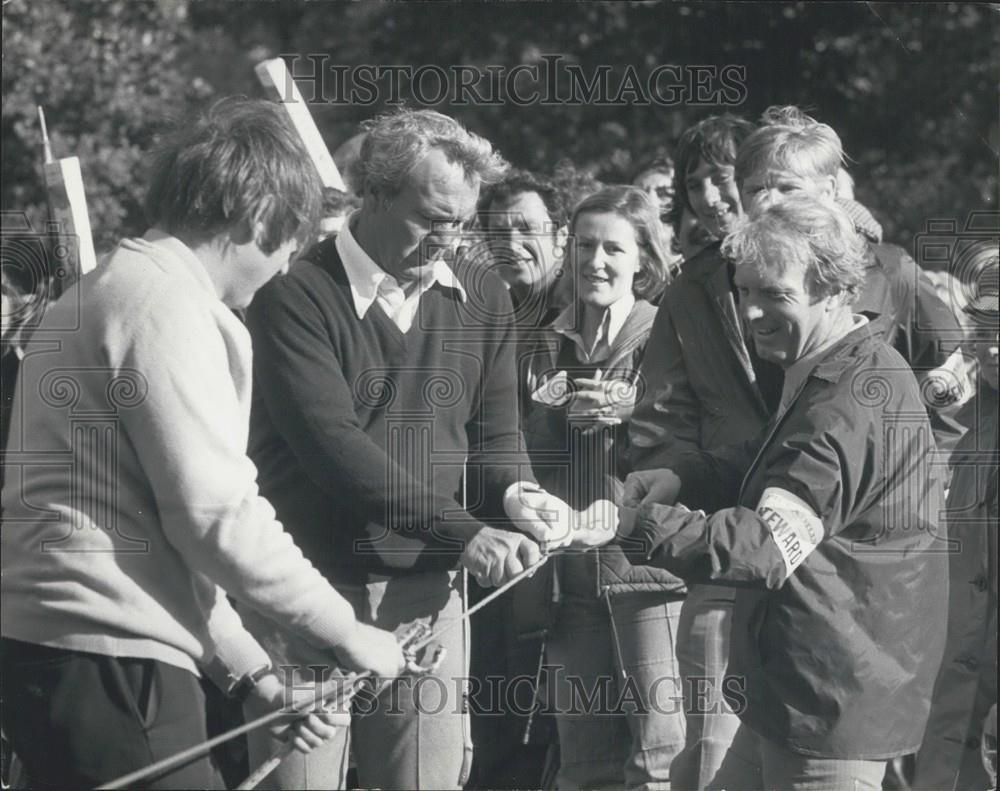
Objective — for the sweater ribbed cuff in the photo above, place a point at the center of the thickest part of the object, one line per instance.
(236, 655)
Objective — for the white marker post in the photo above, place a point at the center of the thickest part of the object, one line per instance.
(277, 81)
(68, 201)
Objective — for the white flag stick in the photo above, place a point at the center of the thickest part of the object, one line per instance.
(277, 80)
(68, 200)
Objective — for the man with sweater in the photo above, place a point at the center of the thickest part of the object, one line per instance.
(130, 508)
(385, 396)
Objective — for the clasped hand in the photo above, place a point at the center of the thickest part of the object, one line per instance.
(544, 523)
(543, 516)
(651, 486)
(603, 400)
(364, 648)
(306, 730)
(551, 521)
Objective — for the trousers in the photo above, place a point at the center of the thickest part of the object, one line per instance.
(76, 719)
(703, 656)
(618, 704)
(416, 734)
(756, 764)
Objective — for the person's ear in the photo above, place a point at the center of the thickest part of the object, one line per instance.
(643, 275)
(253, 229)
(373, 199)
(836, 301)
(559, 246)
(828, 187)
(245, 231)
(562, 234)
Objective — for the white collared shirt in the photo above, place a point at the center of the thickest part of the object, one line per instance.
(372, 284)
(615, 316)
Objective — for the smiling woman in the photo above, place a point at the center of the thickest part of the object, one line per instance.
(577, 437)
(606, 258)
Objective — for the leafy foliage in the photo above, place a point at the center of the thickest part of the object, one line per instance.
(912, 89)
(107, 74)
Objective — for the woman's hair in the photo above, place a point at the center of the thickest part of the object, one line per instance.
(240, 161)
(632, 204)
(806, 231)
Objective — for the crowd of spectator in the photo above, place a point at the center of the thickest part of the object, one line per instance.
(734, 453)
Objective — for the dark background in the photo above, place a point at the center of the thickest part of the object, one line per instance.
(912, 89)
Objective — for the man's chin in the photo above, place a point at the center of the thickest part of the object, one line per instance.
(417, 261)
(776, 356)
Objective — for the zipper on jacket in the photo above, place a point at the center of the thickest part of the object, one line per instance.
(556, 596)
(614, 635)
(526, 738)
(598, 588)
(778, 420)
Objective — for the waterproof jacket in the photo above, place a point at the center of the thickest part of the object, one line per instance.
(837, 642)
(967, 683)
(583, 466)
(700, 390)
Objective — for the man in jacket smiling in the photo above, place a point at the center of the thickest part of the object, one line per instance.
(835, 529)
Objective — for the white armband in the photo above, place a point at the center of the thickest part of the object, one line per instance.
(794, 526)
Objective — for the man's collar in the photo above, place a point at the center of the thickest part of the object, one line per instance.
(800, 370)
(365, 276)
(832, 365)
(439, 272)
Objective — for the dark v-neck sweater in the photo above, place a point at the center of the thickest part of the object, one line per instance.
(360, 431)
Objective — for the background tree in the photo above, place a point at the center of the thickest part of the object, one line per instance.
(912, 89)
(108, 75)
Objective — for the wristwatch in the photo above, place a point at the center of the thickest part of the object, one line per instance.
(241, 690)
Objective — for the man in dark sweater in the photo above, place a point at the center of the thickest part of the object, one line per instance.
(385, 384)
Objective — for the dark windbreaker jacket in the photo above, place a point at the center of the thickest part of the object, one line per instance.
(835, 657)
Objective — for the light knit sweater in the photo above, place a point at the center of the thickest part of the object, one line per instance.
(130, 503)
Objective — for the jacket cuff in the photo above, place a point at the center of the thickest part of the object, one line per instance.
(654, 524)
(626, 521)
